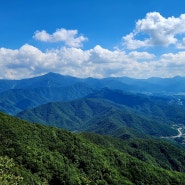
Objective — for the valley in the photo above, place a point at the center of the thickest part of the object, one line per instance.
(180, 138)
(103, 131)
(180, 133)
(179, 130)
(92, 92)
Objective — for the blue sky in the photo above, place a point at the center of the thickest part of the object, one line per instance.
(97, 38)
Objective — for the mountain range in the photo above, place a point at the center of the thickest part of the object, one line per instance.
(150, 85)
(92, 131)
(95, 105)
(18, 95)
(109, 113)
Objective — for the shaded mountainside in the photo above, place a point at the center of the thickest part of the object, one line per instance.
(97, 115)
(16, 100)
(151, 85)
(46, 155)
(165, 109)
(47, 80)
(18, 95)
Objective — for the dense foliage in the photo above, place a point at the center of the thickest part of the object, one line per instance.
(100, 116)
(163, 108)
(47, 155)
(8, 172)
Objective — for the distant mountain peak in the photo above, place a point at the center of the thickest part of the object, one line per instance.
(52, 74)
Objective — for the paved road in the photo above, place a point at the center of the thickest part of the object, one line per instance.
(180, 133)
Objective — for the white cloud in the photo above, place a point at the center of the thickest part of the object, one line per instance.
(155, 30)
(29, 61)
(131, 43)
(141, 55)
(169, 65)
(69, 37)
(102, 55)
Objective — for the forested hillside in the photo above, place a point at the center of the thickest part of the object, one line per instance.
(96, 115)
(37, 154)
(110, 111)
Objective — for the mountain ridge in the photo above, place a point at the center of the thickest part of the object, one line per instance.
(69, 80)
(98, 115)
(18, 95)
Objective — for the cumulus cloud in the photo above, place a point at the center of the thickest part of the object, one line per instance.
(70, 59)
(69, 37)
(155, 30)
(29, 61)
(141, 55)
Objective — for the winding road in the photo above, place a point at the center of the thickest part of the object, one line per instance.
(180, 133)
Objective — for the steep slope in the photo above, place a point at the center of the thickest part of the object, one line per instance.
(165, 109)
(16, 100)
(150, 150)
(18, 95)
(95, 115)
(46, 155)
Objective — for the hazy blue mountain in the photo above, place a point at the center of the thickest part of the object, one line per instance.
(47, 80)
(155, 85)
(16, 100)
(18, 95)
(151, 85)
(111, 83)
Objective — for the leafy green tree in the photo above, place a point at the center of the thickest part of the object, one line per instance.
(7, 174)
